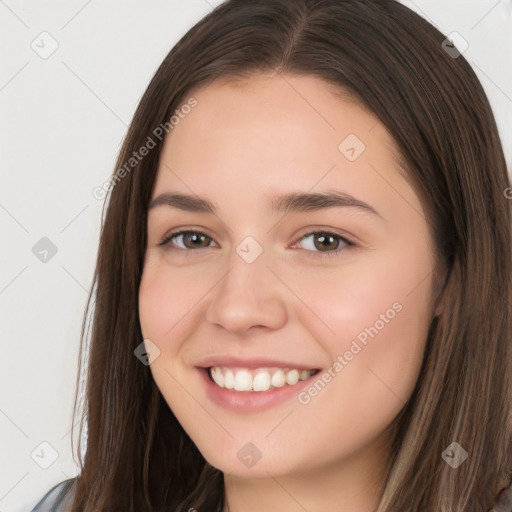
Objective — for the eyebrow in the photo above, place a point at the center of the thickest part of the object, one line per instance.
(287, 203)
(184, 202)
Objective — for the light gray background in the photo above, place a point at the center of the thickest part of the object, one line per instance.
(62, 122)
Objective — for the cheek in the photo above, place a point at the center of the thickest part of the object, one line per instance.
(354, 294)
(380, 318)
(375, 312)
(167, 296)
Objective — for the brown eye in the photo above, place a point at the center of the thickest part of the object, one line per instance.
(192, 240)
(188, 240)
(325, 242)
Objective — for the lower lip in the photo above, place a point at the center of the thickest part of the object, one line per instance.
(248, 401)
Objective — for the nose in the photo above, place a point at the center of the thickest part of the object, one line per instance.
(249, 296)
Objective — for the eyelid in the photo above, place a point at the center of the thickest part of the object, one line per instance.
(180, 231)
(327, 231)
(348, 241)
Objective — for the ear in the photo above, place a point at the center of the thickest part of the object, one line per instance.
(443, 287)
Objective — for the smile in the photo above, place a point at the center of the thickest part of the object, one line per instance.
(257, 379)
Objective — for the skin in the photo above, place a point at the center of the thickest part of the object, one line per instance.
(244, 143)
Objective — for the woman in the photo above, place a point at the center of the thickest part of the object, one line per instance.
(304, 276)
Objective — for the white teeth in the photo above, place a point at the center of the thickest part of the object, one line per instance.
(217, 377)
(243, 381)
(262, 380)
(229, 379)
(304, 374)
(278, 379)
(292, 377)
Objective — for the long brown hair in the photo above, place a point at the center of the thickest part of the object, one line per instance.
(138, 457)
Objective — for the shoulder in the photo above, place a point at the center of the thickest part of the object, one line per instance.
(503, 501)
(57, 499)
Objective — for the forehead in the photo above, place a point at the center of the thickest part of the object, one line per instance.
(285, 117)
(279, 133)
(267, 97)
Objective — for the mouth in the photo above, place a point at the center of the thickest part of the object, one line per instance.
(243, 390)
(257, 380)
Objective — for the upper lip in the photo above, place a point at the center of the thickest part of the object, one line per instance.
(254, 362)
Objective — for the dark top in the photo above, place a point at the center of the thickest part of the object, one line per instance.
(59, 499)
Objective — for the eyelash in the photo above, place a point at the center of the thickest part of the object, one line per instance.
(348, 243)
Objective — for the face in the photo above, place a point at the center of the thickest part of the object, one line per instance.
(290, 240)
